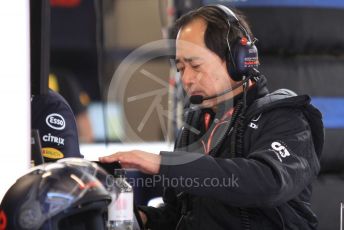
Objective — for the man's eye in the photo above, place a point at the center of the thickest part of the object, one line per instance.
(180, 69)
(195, 66)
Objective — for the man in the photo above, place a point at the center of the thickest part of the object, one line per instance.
(53, 118)
(265, 146)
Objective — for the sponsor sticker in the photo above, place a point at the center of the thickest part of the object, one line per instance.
(280, 149)
(253, 125)
(53, 139)
(52, 153)
(55, 121)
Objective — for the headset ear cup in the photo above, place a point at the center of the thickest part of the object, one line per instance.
(233, 62)
(231, 68)
(244, 58)
(242, 55)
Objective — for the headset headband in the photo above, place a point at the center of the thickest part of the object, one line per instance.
(230, 16)
(242, 55)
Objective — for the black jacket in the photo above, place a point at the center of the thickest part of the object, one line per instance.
(263, 183)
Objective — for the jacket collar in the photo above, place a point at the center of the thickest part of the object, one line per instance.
(258, 90)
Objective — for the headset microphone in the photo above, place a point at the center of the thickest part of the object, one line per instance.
(198, 99)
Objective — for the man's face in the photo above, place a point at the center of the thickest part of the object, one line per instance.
(202, 71)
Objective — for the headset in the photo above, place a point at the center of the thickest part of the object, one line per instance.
(242, 57)
(242, 60)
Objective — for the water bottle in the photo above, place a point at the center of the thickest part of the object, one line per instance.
(120, 212)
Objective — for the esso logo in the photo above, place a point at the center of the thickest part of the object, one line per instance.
(55, 121)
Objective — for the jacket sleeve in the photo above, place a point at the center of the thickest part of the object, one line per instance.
(165, 217)
(280, 164)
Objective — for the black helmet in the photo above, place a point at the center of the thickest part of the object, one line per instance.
(56, 196)
(93, 169)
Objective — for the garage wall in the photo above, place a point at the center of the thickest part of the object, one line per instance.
(128, 26)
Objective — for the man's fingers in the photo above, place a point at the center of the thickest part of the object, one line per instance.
(128, 165)
(124, 158)
(143, 161)
(109, 159)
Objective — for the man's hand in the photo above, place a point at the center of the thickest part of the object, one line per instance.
(143, 161)
(143, 218)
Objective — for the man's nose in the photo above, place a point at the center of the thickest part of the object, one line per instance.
(189, 77)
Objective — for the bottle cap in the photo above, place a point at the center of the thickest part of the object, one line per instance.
(119, 173)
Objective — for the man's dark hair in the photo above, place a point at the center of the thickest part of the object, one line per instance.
(217, 28)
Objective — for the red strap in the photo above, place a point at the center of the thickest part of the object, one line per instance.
(207, 117)
(65, 3)
(3, 220)
(228, 114)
